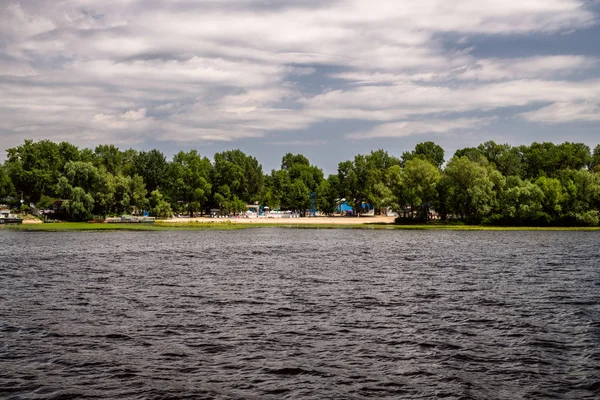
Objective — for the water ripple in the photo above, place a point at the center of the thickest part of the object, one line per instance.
(278, 313)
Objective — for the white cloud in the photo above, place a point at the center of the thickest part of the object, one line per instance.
(134, 115)
(410, 128)
(527, 68)
(299, 143)
(561, 112)
(367, 78)
(406, 99)
(16, 68)
(130, 71)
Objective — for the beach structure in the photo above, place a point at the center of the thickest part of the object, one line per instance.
(7, 218)
(253, 210)
(131, 219)
(343, 207)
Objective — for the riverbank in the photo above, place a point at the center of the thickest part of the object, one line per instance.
(298, 223)
(291, 221)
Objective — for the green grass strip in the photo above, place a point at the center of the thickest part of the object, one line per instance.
(176, 226)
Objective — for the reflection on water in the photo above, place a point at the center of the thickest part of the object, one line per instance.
(282, 313)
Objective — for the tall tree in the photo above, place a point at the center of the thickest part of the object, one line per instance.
(82, 174)
(595, 163)
(152, 166)
(80, 205)
(297, 196)
(470, 189)
(581, 191)
(109, 156)
(327, 195)
(299, 168)
(238, 175)
(430, 152)
(362, 181)
(472, 153)
(573, 156)
(419, 183)
(34, 168)
(358, 180)
(396, 198)
(506, 159)
(158, 206)
(6, 186)
(276, 185)
(553, 194)
(521, 200)
(190, 173)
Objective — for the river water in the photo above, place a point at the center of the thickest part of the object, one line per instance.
(300, 313)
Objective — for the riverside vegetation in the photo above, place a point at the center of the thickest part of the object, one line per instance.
(542, 184)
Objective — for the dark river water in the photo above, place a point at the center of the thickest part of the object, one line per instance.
(298, 313)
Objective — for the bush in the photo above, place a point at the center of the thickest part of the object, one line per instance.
(589, 218)
(494, 219)
(45, 202)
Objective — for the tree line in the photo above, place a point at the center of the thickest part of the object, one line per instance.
(540, 184)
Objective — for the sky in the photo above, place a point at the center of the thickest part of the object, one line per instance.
(327, 79)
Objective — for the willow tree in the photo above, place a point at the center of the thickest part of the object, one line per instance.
(469, 188)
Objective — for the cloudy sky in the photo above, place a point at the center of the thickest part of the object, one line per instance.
(328, 79)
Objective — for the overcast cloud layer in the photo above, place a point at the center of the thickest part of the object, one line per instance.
(328, 79)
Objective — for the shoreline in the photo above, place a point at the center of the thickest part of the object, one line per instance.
(288, 221)
(378, 222)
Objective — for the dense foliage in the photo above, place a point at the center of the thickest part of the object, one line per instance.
(540, 184)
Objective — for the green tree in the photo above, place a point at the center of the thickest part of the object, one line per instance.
(104, 194)
(573, 156)
(299, 168)
(138, 191)
(276, 186)
(34, 167)
(298, 196)
(6, 186)
(361, 181)
(153, 167)
(469, 189)
(80, 205)
(506, 159)
(191, 179)
(129, 167)
(109, 157)
(522, 200)
(45, 202)
(472, 153)
(553, 194)
(237, 205)
(158, 206)
(241, 174)
(327, 196)
(77, 203)
(430, 152)
(289, 160)
(82, 174)
(397, 195)
(350, 187)
(419, 179)
(122, 195)
(595, 163)
(581, 191)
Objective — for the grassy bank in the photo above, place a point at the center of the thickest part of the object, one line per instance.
(170, 226)
(85, 226)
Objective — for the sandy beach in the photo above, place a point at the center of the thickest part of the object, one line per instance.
(294, 221)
